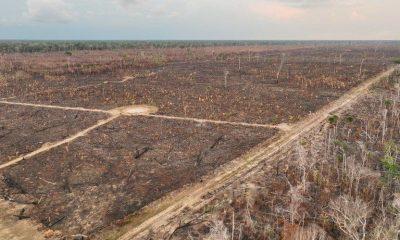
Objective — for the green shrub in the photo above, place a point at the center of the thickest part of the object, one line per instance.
(349, 118)
(389, 162)
(388, 102)
(396, 60)
(333, 119)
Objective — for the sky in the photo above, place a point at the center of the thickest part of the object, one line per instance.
(200, 19)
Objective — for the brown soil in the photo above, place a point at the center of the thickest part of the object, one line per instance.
(195, 88)
(24, 129)
(274, 203)
(121, 167)
(160, 219)
(98, 180)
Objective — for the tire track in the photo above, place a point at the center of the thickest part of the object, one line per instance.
(125, 111)
(199, 120)
(54, 107)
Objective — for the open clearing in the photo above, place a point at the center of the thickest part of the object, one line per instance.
(85, 142)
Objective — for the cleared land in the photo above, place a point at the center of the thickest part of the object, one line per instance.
(345, 169)
(214, 105)
(25, 129)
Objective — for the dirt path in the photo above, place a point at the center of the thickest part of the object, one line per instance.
(127, 78)
(135, 110)
(54, 107)
(48, 146)
(198, 120)
(148, 112)
(163, 216)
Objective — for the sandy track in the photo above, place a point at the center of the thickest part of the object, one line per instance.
(135, 110)
(146, 114)
(54, 107)
(161, 217)
(198, 120)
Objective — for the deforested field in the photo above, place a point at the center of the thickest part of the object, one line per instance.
(97, 142)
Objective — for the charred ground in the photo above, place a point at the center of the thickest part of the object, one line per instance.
(116, 169)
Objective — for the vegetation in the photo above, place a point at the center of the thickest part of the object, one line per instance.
(389, 161)
(67, 46)
(333, 119)
(396, 60)
(8, 46)
(339, 183)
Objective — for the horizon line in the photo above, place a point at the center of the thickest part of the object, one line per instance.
(214, 40)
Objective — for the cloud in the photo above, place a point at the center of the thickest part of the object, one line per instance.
(358, 16)
(317, 3)
(276, 11)
(152, 8)
(328, 11)
(54, 11)
(303, 3)
(4, 21)
(200, 19)
(128, 2)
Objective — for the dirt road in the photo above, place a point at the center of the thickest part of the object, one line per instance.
(163, 216)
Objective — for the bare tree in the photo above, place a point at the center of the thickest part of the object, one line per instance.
(250, 196)
(383, 123)
(350, 216)
(280, 67)
(334, 64)
(226, 75)
(311, 232)
(218, 231)
(303, 163)
(388, 228)
(361, 68)
(296, 200)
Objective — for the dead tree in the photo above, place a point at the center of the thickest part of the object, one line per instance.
(351, 216)
(204, 153)
(21, 215)
(334, 64)
(361, 68)
(218, 231)
(67, 185)
(226, 75)
(240, 68)
(140, 152)
(280, 67)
